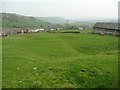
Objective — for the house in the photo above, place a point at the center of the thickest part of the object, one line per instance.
(3, 34)
(106, 28)
(42, 29)
(80, 28)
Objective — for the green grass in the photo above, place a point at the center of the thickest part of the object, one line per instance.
(51, 60)
(69, 31)
(0, 63)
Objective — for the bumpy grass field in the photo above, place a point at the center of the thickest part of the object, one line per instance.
(60, 60)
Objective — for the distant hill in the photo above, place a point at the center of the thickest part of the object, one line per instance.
(54, 20)
(10, 20)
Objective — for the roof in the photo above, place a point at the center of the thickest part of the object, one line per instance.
(107, 26)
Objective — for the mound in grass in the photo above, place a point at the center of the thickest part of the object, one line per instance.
(70, 31)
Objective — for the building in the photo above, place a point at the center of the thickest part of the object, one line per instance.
(3, 34)
(106, 28)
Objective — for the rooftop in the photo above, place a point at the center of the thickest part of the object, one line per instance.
(105, 25)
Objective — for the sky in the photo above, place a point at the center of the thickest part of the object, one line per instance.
(72, 9)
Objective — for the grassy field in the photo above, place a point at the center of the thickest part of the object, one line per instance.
(60, 60)
(0, 63)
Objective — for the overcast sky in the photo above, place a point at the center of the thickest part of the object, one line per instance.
(84, 9)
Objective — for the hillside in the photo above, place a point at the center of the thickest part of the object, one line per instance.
(54, 20)
(18, 21)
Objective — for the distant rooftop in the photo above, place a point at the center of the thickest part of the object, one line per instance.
(105, 25)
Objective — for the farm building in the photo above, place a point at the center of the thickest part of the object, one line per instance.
(3, 34)
(106, 28)
(54, 27)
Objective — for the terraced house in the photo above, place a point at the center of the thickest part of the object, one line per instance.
(106, 28)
